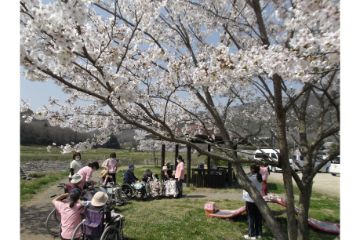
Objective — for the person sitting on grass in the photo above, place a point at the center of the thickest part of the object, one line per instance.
(70, 210)
(86, 173)
(129, 176)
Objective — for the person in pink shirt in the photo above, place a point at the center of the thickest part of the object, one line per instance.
(264, 171)
(86, 174)
(179, 174)
(70, 210)
(111, 166)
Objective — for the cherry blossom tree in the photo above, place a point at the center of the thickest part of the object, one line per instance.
(176, 68)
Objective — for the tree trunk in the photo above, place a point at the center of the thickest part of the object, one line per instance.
(284, 158)
(303, 214)
(265, 211)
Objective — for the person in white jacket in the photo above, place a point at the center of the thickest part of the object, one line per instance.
(253, 213)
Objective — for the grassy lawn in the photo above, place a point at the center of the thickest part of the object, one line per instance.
(29, 188)
(178, 218)
(185, 218)
(31, 153)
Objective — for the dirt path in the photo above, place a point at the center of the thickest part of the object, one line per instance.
(33, 214)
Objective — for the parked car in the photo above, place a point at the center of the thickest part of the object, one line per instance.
(272, 155)
(334, 168)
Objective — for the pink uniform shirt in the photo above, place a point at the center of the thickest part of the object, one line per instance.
(264, 173)
(179, 173)
(70, 218)
(86, 173)
(111, 165)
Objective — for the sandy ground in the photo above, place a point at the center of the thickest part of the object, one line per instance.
(323, 183)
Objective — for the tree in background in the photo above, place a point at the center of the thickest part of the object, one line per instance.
(158, 65)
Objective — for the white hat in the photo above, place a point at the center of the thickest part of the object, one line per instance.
(164, 168)
(76, 178)
(99, 199)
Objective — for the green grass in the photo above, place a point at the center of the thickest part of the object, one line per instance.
(185, 219)
(33, 153)
(28, 188)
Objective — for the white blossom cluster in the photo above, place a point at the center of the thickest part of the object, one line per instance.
(171, 68)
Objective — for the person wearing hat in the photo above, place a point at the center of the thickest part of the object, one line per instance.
(70, 210)
(96, 214)
(129, 176)
(74, 183)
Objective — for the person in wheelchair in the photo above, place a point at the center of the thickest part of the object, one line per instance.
(70, 209)
(129, 177)
(74, 183)
(98, 216)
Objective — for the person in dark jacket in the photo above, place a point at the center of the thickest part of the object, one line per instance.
(129, 176)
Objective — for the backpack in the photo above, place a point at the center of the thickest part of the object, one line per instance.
(94, 222)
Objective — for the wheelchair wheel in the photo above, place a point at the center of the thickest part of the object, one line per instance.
(53, 223)
(127, 190)
(79, 228)
(111, 233)
(120, 197)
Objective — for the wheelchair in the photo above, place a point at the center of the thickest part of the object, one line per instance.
(113, 228)
(135, 190)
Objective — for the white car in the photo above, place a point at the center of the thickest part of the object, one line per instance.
(272, 155)
(334, 168)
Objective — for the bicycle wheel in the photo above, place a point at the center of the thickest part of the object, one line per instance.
(79, 228)
(111, 233)
(53, 223)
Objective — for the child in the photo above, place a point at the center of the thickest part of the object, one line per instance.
(253, 213)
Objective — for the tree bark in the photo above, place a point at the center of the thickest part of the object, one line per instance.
(284, 157)
(303, 214)
(264, 209)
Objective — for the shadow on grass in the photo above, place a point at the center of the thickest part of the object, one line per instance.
(193, 196)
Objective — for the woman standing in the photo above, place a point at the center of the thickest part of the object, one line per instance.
(264, 171)
(86, 173)
(111, 165)
(179, 174)
(69, 211)
(253, 213)
(75, 164)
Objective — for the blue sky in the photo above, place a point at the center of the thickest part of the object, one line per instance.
(38, 93)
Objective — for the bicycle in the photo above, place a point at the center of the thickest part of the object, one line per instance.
(113, 229)
(52, 222)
